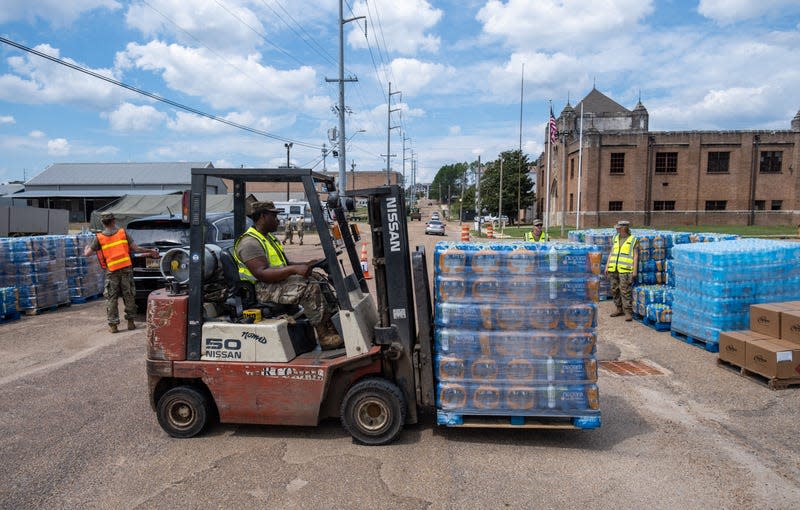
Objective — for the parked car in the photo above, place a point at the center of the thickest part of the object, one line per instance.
(435, 216)
(164, 232)
(435, 227)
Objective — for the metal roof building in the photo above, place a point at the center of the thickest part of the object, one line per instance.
(81, 188)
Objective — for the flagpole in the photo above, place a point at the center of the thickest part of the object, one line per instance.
(547, 184)
(580, 171)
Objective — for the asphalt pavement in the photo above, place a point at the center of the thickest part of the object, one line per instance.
(78, 432)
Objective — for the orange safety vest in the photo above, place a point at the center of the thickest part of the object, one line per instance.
(114, 250)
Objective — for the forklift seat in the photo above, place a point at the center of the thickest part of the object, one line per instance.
(242, 294)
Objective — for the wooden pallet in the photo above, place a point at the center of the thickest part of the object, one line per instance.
(450, 419)
(772, 383)
(709, 345)
(658, 326)
(84, 299)
(37, 311)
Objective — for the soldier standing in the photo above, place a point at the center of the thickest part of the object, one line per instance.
(288, 231)
(621, 269)
(113, 247)
(300, 228)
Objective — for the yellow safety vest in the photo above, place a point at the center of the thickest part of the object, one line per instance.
(530, 239)
(272, 248)
(621, 258)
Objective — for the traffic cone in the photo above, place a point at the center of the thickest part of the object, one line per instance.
(365, 262)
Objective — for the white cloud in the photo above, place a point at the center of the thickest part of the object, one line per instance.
(36, 134)
(55, 12)
(399, 27)
(39, 81)
(7, 119)
(58, 147)
(561, 24)
(416, 76)
(248, 84)
(731, 11)
(130, 117)
(224, 26)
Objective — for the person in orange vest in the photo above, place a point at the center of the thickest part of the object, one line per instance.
(262, 261)
(114, 247)
(621, 269)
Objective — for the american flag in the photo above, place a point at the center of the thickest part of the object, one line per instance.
(553, 127)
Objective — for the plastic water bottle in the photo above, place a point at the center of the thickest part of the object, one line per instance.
(552, 257)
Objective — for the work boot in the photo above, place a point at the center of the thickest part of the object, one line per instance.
(131, 325)
(618, 313)
(628, 316)
(112, 328)
(330, 341)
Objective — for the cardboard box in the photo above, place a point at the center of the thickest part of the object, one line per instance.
(790, 326)
(732, 345)
(773, 358)
(766, 318)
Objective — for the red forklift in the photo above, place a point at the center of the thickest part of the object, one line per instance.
(208, 357)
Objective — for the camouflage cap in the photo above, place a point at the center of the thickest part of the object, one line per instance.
(537, 223)
(268, 206)
(107, 216)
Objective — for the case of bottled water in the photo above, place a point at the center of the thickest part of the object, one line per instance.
(515, 330)
(9, 302)
(716, 282)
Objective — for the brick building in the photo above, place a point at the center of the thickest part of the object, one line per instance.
(663, 178)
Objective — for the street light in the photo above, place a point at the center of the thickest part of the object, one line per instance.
(288, 165)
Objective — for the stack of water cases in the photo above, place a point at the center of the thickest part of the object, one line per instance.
(9, 304)
(515, 332)
(84, 274)
(602, 238)
(652, 295)
(35, 266)
(716, 282)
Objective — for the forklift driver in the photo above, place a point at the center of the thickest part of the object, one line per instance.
(262, 261)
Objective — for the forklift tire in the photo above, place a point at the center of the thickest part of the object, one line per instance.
(373, 411)
(183, 412)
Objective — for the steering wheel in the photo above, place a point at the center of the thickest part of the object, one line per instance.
(322, 264)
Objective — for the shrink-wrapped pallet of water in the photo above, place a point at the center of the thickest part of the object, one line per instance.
(515, 331)
(716, 282)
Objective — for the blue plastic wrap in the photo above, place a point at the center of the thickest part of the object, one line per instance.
(514, 329)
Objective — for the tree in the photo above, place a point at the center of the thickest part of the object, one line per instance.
(514, 162)
(446, 186)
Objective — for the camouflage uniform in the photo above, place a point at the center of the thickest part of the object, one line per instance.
(288, 232)
(120, 283)
(300, 227)
(621, 284)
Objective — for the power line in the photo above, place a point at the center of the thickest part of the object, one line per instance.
(154, 96)
(262, 36)
(319, 49)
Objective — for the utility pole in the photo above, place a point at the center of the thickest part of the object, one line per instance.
(389, 128)
(353, 175)
(342, 80)
(288, 165)
(324, 156)
(478, 196)
(519, 161)
(404, 159)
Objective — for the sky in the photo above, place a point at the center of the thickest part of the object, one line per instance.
(473, 76)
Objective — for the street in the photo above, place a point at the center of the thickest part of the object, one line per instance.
(78, 433)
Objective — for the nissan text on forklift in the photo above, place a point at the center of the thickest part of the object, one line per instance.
(209, 355)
